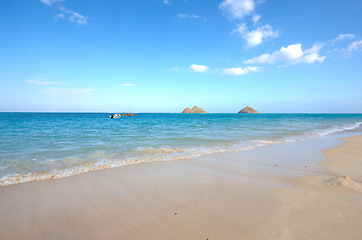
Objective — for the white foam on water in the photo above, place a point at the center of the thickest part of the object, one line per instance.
(100, 160)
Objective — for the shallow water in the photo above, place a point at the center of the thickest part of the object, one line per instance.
(35, 146)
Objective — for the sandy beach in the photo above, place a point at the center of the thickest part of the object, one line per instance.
(282, 191)
(180, 120)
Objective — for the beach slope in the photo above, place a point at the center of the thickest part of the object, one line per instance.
(249, 195)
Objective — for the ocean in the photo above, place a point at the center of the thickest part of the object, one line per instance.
(38, 146)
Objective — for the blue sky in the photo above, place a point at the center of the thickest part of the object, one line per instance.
(163, 56)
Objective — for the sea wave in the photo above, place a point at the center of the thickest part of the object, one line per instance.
(102, 160)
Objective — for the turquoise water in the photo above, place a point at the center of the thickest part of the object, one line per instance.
(36, 146)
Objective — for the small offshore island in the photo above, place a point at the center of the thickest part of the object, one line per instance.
(195, 109)
(248, 110)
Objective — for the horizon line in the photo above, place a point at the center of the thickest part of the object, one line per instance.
(184, 113)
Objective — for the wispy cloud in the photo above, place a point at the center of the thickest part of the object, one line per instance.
(50, 2)
(346, 49)
(175, 69)
(44, 83)
(71, 16)
(257, 36)
(256, 18)
(187, 16)
(199, 68)
(342, 37)
(59, 15)
(239, 71)
(127, 85)
(167, 2)
(237, 9)
(355, 46)
(66, 13)
(292, 54)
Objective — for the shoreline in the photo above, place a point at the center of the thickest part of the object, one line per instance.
(163, 155)
(265, 193)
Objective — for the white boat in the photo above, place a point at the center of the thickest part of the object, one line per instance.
(117, 115)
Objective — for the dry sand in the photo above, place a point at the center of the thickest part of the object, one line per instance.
(325, 206)
(251, 195)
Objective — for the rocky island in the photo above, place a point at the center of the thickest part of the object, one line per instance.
(248, 110)
(194, 110)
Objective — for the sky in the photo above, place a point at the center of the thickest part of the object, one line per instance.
(165, 55)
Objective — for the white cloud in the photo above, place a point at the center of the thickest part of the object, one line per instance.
(187, 16)
(236, 9)
(257, 36)
(292, 54)
(44, 83)
(239, 71)
(356, 45)
(256, 18)
(50, 2)
(72, 16)
(176, 69)
(127, 85)
(167, 2)
(67, 14)
(199, 68)
(342, 37)
(78, 18)
(59, 15)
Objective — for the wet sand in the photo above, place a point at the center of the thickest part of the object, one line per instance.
(274, 192)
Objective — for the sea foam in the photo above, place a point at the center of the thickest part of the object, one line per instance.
(101, 160)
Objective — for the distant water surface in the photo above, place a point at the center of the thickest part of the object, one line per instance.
(36, 146)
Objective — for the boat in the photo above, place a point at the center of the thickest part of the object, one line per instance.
(128, 114)
(117, 115)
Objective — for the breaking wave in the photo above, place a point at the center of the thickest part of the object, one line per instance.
(101, 160)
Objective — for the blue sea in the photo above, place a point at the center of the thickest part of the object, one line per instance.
(37, 146)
